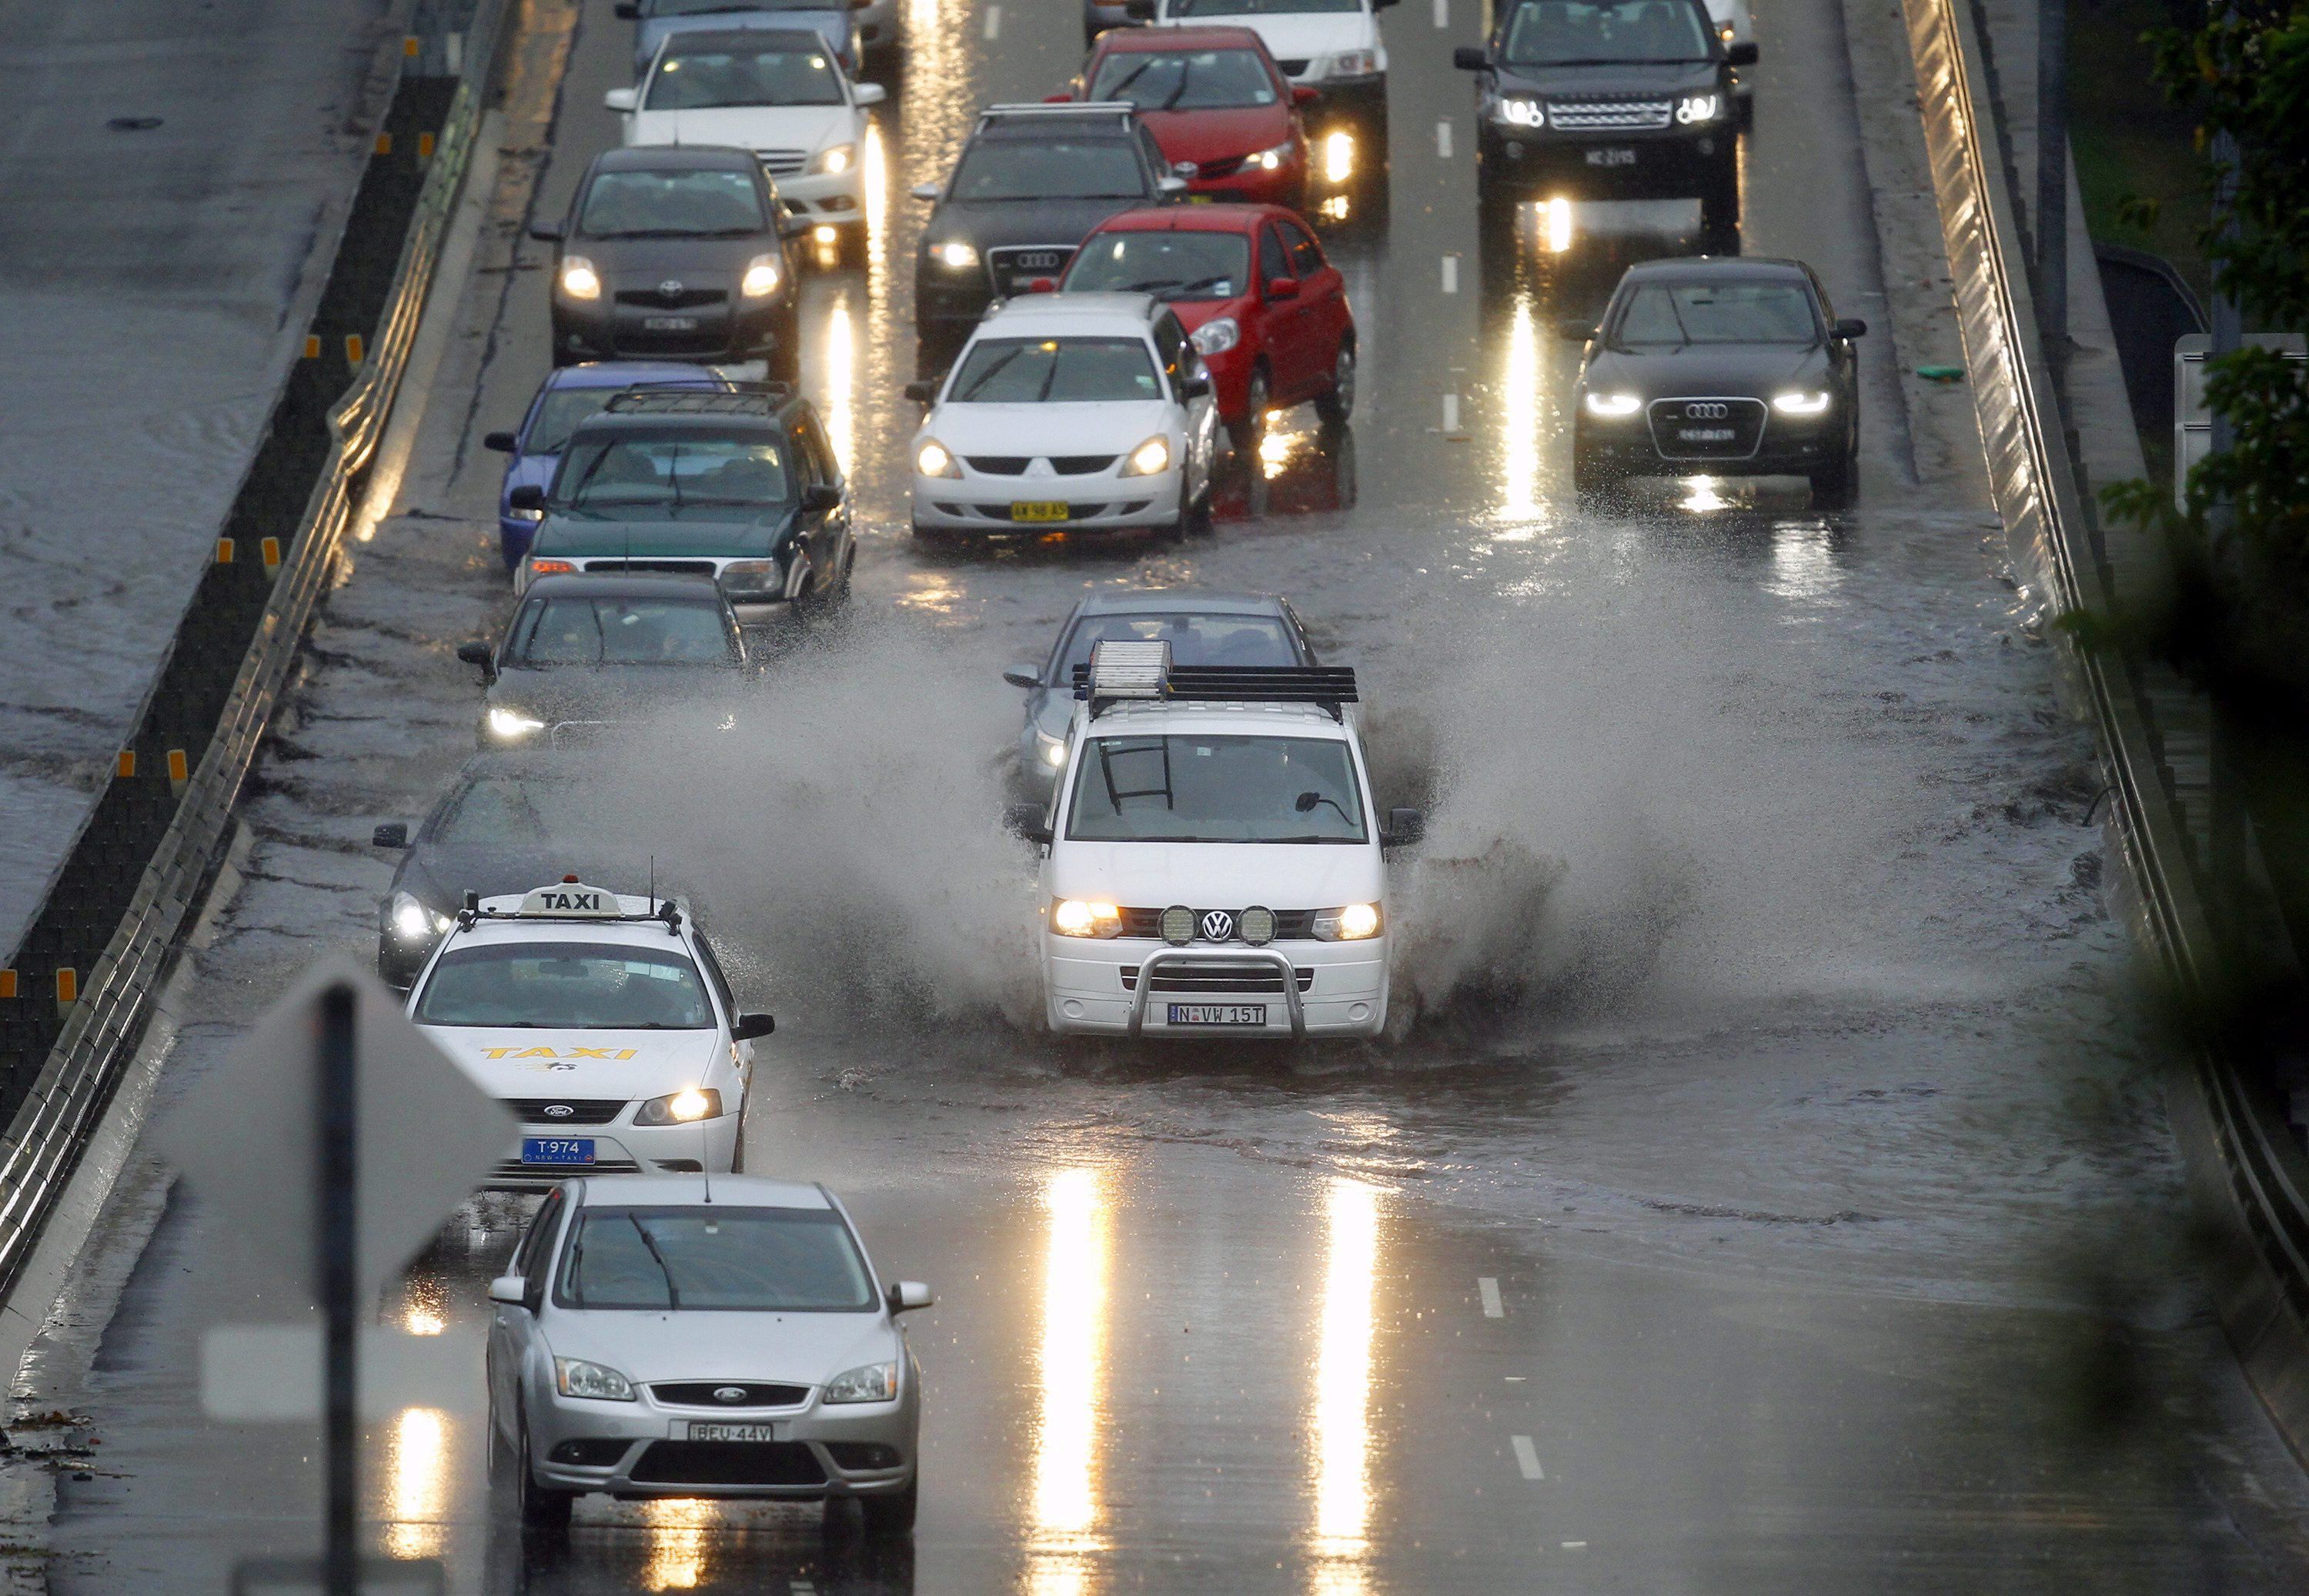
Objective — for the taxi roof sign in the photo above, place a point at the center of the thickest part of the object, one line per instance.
(573, 900)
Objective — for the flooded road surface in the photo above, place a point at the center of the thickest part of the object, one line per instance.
(1769, 1188)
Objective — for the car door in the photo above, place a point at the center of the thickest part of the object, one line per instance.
(742, 1052)
(1321, 311)
(834, 535)
(1278, 318)
(1181, 365)
(512, 1326)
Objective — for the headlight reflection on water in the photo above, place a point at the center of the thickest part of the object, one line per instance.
(1065, 1508)
(1343, 1386)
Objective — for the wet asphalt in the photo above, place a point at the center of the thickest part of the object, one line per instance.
(1769, 1187)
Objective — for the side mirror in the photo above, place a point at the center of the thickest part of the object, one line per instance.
(1404, 828)
(1022, 678)
(925, 191)
(905, 1295)
(1185, 169)
(1850, 326)
(550, 232)
(922, 393)
(791, 226)
(819, 497)
(749, 1026)
(1571, 329)
(868, 93)
(1194, 387)
(1470, 57)
(508, 1289)
(1300, 94)
(1742, 54)
(1171, 186)
(629, 10)
(478, 654)
(394, 834)
(1282, 287)
(621, 99)
(1025, 822)
(529, 495)
(502, 442)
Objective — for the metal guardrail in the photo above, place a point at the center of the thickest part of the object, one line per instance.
(44, 1139)
(2241, 1159)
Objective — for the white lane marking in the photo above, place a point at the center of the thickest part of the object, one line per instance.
(1575, 1546)
(1442, 13)
(1443, 140)
(1493, 1308)
(1526, 1457)
(993, 22)
(1451, 286)
(1450, 412)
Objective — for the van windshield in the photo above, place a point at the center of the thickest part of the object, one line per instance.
(1218, 789)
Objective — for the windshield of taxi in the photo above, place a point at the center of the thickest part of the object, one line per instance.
(1170, 265)
(637, 476)
(1571, 32)
(1194, 640)
(740, 1260)
(1055, 371)
(1682, 312)
(564, 985)
(697, 204)
(1227, 789)
(1049, 169)
(568, 630)
(706, 79)
(1184, 79)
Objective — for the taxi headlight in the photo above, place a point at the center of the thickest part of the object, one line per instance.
(1795, 402)
(835, 161)
(512, 725)
(573, 1377)
(1613, 407)
(752, 576)
(931, 460)
(1150, 459)
(763, 275)
(868, 1383)
(1352, 923)
(578, 279)
(412, 921)
(1698, 107)
(1073, 916)
(954, 255)
(1216, 336)
(686, 1107)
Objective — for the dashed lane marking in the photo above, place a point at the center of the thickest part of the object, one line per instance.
(993, 22)
(1451, 273)
(1526, 1457)
(1493, 1308)
(1442, 13)
(1443, 140)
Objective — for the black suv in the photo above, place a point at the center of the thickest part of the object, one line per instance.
(741, 487)
(1033, 181)
(1610, 100)
(674, 252)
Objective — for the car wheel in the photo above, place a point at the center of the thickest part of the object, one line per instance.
(1339, 404)
(849, 565)
(1258, 394)
(891, 1517)
(1179, 526)
(541, 1508)
(737, 1152)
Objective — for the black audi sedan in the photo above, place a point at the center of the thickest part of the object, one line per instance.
(674, 252)
(1033, 181)
(1704, 367)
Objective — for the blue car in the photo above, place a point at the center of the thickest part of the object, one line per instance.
(570, 394)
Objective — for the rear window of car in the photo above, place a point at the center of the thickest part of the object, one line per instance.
(1055, 371)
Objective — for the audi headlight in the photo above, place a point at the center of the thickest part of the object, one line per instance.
(578, 279)
(834, 161)
(1698, 107)
(1353, 64)
(763, 275)
(1269, 161)
(573, 1377)
(1797, 403)
(1613, 407)
(954, 255)
(1073, 916)
(753, 576)
(686, 1107)
(512, 725)
(1215, 336)
(1521, 112)
(1355, 922)
(868, 1383)
(412, 921)
(1150, 459)
(931, 460)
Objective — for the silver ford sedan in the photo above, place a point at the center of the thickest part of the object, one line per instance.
(680, 1336)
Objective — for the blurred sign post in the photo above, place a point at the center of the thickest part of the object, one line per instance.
(384, 1135)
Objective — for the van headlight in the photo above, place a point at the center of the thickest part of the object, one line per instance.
(1150, 459)
(1353, 922)
(1075, 917)
(412, 921)
(1613, 407)
(1694, 108)
(686, 1107)
(1797, 403)
(573, 1377)
(763, 275)
(509, 725)
(868, 1383)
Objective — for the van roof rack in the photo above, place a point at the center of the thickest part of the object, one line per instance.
(1124, 671)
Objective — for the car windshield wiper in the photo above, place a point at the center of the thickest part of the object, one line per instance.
(988, 375)
(673, 1292)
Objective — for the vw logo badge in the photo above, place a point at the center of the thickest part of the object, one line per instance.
(1709, 411)
(671, 288)
(559, 1110)
(1218, 925)
(729, 1393)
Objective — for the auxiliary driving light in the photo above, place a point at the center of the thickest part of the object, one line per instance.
(1256, 926)
(1178, 925)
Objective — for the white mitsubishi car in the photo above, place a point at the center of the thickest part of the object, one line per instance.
(603, 1022)
(1068, 411)
(781, 94)
(1332, 46)
(1213, 863)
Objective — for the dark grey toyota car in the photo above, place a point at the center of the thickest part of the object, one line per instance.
(1719, 367)
(674, 252)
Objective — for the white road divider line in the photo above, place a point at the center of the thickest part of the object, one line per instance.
(1442, 13)
(1451, 286)
(1443, 140)
(993, 22)
(1526, 1457)
(1450, 412)
(1493, 1308)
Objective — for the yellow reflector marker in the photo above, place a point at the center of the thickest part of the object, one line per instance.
(178, 771)
(409, 45)
(384, 143)
(224, 551)
(8, 985)
(424, 146)
(272, 550)
(125, 767)
(353, 347)
(67, 987)
(312, 346)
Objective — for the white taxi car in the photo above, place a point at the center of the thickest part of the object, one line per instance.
(781, 94)
(1068, 411)
(1213, 863)
(603, 1022)
(1332, 47)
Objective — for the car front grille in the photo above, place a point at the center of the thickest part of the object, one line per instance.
(1674, 422)
(1080, 465)
(857, 1455)
(702, 1393)
(998, 465)
(575, 1110)
(1029, 260)
(1290, 924)
(1605, 116)
(686, 299)
(513, 1168)
(728, 1462)
(782, 163)
(1213, 975)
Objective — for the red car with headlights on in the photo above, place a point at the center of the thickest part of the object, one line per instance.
(1266, 310)
(1215, 101)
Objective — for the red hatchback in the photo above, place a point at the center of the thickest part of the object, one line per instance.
(1250, 285)
(1214, 99)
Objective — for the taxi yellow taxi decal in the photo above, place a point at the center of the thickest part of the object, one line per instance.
(603, 1053)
